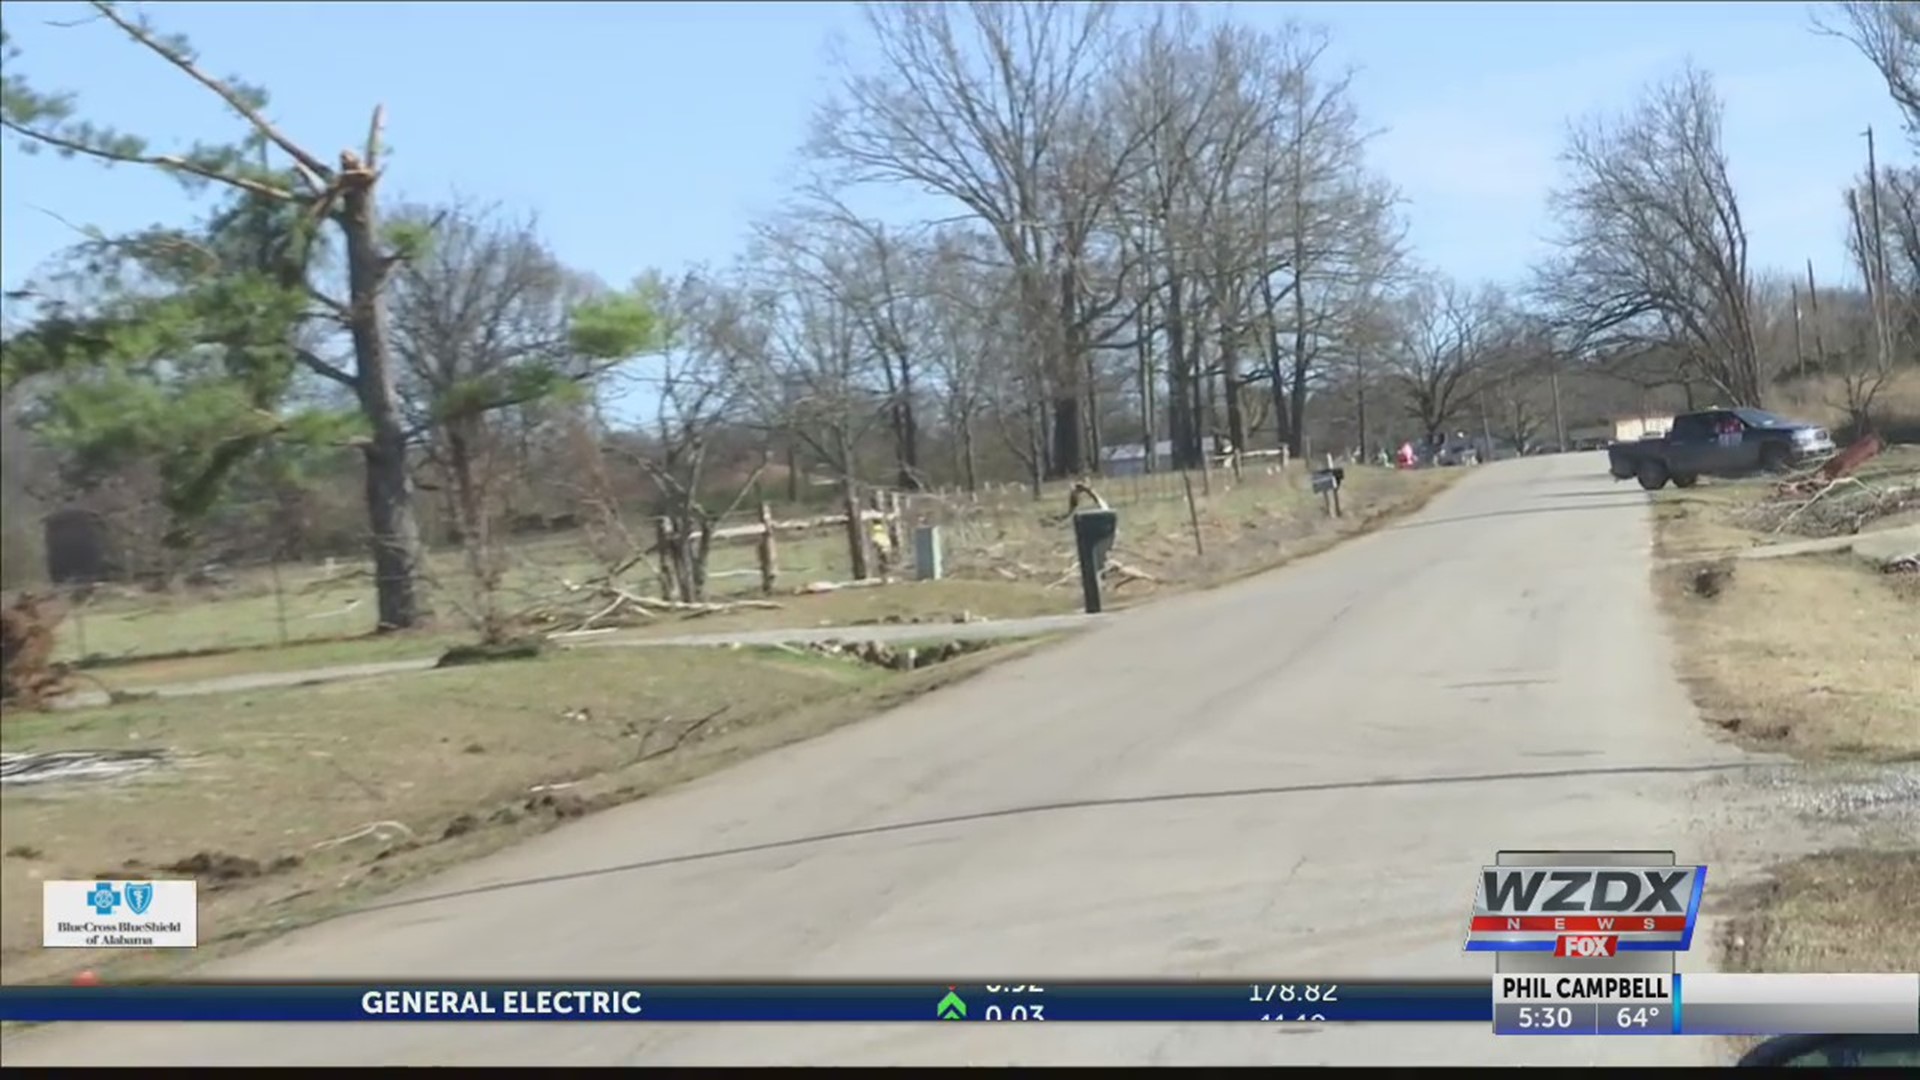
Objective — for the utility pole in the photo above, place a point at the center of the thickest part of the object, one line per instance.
(1813, 303)
(1882, 330)
(1799, 350)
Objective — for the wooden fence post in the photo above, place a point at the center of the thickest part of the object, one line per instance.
(1193, 513)
(769, 566)
(662, 545)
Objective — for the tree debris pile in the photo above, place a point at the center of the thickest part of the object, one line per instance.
(1818, 507)
(51, 766)
(895, 657)
(28, 674)
(601, 606)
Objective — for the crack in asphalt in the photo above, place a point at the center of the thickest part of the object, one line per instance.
(1056, 807)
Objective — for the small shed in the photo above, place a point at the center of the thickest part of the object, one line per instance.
(78, 545)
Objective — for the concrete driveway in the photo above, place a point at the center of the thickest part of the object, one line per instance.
(1371, 724)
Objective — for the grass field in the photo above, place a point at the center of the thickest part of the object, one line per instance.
(263, 787)
(1817, 656)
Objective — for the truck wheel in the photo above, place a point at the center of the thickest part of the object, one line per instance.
(1652, 475)
(1621, 470)
(1685, 480)
(1773, 458)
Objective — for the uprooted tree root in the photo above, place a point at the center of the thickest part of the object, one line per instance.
(28, 674)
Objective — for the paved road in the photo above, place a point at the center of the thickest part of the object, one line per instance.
(1507, 632)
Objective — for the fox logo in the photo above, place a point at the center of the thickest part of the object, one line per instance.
(1586, 945)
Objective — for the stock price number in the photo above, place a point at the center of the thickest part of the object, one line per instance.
(1544, 1017)
(1288, 993)
(1024, 1010)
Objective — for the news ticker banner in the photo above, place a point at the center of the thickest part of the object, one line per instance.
(1700, 1004)
(689, 1002)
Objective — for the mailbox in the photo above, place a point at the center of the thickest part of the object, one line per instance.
(1093, 533)
(1325, 480)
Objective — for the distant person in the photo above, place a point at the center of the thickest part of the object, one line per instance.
(1729, 431)
(1407, 459)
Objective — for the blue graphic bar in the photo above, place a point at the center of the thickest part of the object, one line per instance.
(674, 1003)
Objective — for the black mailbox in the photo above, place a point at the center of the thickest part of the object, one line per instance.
(1093, 533)
(1325, 480)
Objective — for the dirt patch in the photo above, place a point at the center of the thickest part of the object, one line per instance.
(1814, 656)
(307, 802)
(1853, 910)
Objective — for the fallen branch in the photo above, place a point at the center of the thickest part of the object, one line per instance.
(618, 602)
(685, 734)
(647, 603)
(1821, 494)
(365, 831)
(836, 586)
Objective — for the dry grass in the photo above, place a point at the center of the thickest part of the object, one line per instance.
(456, 758)
(1254, 522)
(1837, 911)
(1896, 406)
(1814, 656)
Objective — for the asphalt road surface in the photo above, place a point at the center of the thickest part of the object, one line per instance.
(1355, 734)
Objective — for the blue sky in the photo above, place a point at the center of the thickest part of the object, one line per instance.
(650, 135)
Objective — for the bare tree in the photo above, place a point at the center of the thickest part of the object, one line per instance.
(1868, 362)
(481, 320)
(1448, 336)
(1887, 33)
(969, 322)
(981, 103)
(1333, 233)
(699, 383)
(1652, 248)
(806, 361)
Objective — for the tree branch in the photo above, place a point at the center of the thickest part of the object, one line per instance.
(172, 162)
(312, 361)
(315, 172)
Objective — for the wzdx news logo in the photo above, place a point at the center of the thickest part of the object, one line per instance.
(1585, 911)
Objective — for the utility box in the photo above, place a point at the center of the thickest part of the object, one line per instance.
(927, 562)
(1093, 534)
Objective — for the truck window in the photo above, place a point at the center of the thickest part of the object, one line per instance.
(1691, 427)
